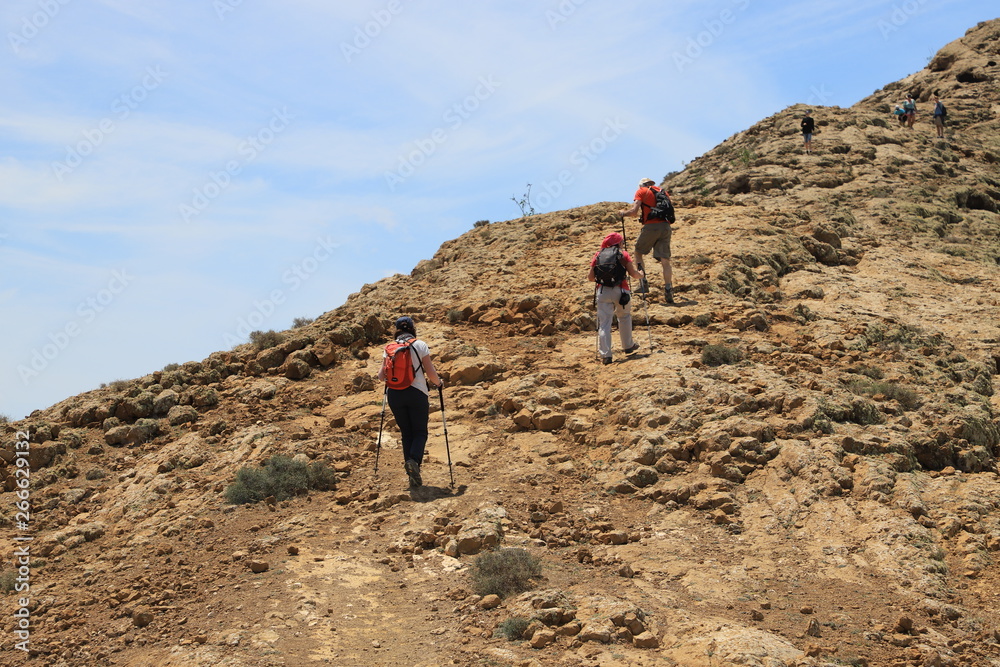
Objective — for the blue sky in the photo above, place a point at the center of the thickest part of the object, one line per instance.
(176, 174)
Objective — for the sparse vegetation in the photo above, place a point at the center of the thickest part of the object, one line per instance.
(524, 203)
(4, 419)
(480, 223)
(505, 572)
(115, 385)
(718, 355)
(263, 340)
(171, 367)
(702, 320)
(908, 398)
(281, 477)
(746, 156)
(300, 322)
(700, 260)
(513, 628)
(7, 580)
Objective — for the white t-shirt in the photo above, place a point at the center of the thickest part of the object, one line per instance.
(418, 350)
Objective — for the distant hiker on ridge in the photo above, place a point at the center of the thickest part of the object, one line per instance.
(406, 368)
(656, 214)
(610, 269)
(940, 113)
(900, 115)
(910, 107)
(808, 127)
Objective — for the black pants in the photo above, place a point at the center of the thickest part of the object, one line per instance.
(411, 408)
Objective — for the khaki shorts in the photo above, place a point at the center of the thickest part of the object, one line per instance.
(654, 236)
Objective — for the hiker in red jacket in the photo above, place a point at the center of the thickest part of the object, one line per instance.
(655, 236)
(410, 405)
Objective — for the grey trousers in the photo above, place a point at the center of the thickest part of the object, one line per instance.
(607, 305)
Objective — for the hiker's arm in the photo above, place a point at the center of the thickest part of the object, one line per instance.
(629, 212)
(430, 372)
(590, 275)
(381, 373)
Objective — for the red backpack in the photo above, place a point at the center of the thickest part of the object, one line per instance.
(398, 365)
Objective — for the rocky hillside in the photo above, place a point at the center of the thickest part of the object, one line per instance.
(799, 466)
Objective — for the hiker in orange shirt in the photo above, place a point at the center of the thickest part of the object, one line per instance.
(655, 236)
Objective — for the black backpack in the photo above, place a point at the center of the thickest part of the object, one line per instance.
(609, 270)
(664, 208)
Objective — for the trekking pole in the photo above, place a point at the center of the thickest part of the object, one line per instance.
(445, 424)
(645, 307)
(597, 336)
(381, 423)
(624, 236)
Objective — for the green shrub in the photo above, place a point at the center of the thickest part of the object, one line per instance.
(280, 477)
(907, 397)
(4, 419)
(702, 320)
(505, 572)
(513, 628)
(872, 372)
(717, 355)
(263, 340)
(481, 223)
(454, 315)
(700, 260)
(171, 367)
(7, 580)
(299, 322)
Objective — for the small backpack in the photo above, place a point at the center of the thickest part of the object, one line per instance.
(398, 364)
(664, 208)
(608, 270)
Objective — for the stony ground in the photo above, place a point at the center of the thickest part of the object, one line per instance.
(799, 466)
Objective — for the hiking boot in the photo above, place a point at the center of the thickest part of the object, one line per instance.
(606, 361)
(413, 472)
(670, 296)
(630, 350)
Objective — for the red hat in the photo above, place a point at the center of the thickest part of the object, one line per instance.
(612, 239)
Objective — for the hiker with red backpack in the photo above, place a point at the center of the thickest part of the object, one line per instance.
(610, 269)
(656, 213)
(406, 369)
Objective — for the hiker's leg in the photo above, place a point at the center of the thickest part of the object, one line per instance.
(668, 272)
(662, 252)
(644, 243)
(624, 315)
(399, 405)
(419, 414)
(605, 309)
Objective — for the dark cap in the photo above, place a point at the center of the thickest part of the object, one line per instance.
(405, 323)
